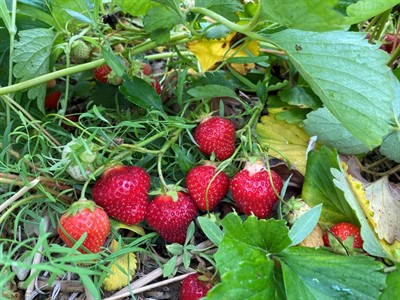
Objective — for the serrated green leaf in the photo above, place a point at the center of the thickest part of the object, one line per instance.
(159, 21)
(390, 146)
(211, 230)
(318, 187)
(227, 9)
(392, 289)
(312, 15)
(348, 74)
(371, 243)
(319, 274)
(141, 93)
(252, 280)
(330, 132)
(135, 8)
(32, 56)
(300, 96)
(305, 225)
(249, 240)
(365, 9)
(212, 91)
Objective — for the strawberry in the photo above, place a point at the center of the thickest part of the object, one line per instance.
(252, 190)
(146, 69)
(171, 218)
(195, 286)
(81, 158)
(104, 74)
(50, 84)
(122, 192)
(84, 217)
(205, 195)
(156, 86)
(342, 231)
(215, 134)
(80, 51)
(101, 73)
(51, 100)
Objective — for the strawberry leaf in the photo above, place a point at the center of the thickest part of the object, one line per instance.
(330, 132)
(319, 274)
(159, 21)
(348, 76)
(365, 9)
(135, 8)
(392, 290)
(227, 9)
(318, 188)
(249, 239)
(303, 14)
(390, 146)
(32, 57)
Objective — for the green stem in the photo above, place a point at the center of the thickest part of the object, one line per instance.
(167, 55)
(233, 26)
(50, 76)
(394, 56)
(18, 108)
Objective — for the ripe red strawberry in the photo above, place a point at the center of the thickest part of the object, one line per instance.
(146, 69)
(156, 85)
(252, 190)
(343, 231)
(215, 134)
(122, 192)
(101, 73)
(51, 100)
(198, 181)
(81, 217)
(194, 287)
(171, 218)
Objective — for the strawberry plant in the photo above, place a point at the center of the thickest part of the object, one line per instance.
(224, 136)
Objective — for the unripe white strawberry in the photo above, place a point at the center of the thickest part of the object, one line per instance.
(81, 157)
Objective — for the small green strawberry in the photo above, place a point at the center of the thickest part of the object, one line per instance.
(81, 157)
(80, 51)
(84, 217)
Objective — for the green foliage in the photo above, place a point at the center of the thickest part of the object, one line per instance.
(366, 9)
(319, 188)
(390, 146)
(32, 57)
(252, 254)
(392, 289)
(158, 22)
(345, 59)
(311, 15)
(136, 8)
(227, 9)
(330, 132)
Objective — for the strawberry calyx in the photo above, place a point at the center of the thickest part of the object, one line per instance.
(79, 206)
(345, 247)
(254, 166)
(293, 209)
(169, 190)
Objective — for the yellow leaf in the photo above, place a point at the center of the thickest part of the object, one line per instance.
(122, 270)
(288, 139)
(134, 228)
(210, 52)
(371, 207)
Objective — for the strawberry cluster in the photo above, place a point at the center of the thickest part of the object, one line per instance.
(122, 192)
